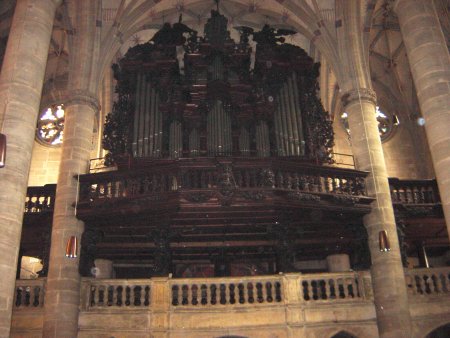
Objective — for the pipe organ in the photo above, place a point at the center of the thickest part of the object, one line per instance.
(214, 101)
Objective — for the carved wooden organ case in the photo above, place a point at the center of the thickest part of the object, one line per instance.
(181, 95)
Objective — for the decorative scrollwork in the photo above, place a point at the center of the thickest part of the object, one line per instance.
(197, 197)
(301, 196)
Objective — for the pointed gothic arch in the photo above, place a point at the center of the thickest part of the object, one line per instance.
(343, 334)
(442, 331)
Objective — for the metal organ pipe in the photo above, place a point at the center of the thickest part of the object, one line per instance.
(290, 121)
(147, 108)
(134, 145)
(151, 140)
(194, 142)
(298, 113)
(284, 123)
(244, 141)
(294, 116)
(141, 117)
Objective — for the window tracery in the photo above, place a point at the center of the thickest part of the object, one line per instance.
(50, 128)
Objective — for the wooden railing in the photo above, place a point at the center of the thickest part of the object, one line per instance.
(414, 191)
(40, 199)
(29, 293)
(167, 176)
(116, 293)
(229, 291)
(428, 282)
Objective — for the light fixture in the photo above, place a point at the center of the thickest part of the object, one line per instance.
(395, 120)
(72, 247)
(384, 241)
(2, 150)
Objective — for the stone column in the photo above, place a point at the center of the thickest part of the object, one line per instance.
(430, 66)
(338, 263)
(388, 278)
(21, 81)
(63, 280)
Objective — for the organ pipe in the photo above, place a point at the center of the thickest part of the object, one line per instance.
(244, 141)
(194, 142)
(299, 113)
(294, 116)
(134, 145)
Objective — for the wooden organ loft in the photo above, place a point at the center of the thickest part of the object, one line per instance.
(224, 169)
(224, 164)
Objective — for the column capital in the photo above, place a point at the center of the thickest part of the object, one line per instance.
(361, 94)
(83, 97)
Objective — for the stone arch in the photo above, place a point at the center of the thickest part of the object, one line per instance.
(442, 331)
(343, 334)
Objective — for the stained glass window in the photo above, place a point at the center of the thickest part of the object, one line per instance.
(50, 129)
(386, 123)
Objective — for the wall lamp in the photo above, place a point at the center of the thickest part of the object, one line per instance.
(72, 247)
(2, 150)
(384, 241)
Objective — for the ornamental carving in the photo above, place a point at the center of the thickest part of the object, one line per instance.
(301, 196)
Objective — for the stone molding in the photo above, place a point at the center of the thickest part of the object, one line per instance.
(83, 97)
(362, 94)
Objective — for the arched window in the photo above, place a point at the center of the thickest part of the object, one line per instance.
(440, 332)
(343, 334)
(386, 123)
(50, 127)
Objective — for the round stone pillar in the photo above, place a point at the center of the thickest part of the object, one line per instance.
(388, 278)
(104, 268)
(428, 57)
(338, 263)
(62, 296)
(21, 81)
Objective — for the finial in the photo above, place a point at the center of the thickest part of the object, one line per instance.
(217, 4)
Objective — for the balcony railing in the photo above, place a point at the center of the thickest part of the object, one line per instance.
(29, 293)
(255, 291)
(414, 191)
(40, 199)
(224, 176)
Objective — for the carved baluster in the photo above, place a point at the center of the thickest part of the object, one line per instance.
(437, 287)
(213, 289)
(110, 295)
(147, 296)
(36, 296)
(250, 289)
(279, 180)
(175, 295)
(184, 295)
(259, 292)
(332, 286)
(128, 296)
(223, 294)
(269, 297)
(241, 293)
(295, 181)
(203, 294)
(327, 288)
(341, 288)
(119, 293)
(287, 183)
(306, 290)
(19, 292)
(194, 294)
(93, 296)
(232, 295)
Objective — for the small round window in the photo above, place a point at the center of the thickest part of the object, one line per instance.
(50, 129)
(386, 123)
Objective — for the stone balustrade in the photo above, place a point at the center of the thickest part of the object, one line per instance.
(334, 287)
(116, 293)
(29, 293)
(226, 291)
(251, 306)
(428, 282)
